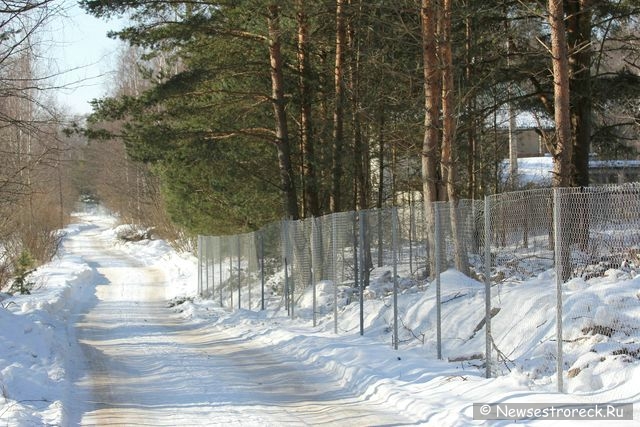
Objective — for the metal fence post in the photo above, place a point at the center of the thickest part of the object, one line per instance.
(262, 278)
(212, 265)
(285, 249)
(411, 235)
(199, 265)
(380, 240)
(394, 240)
(207, 254)
(334, 255)
(356, 259)
(239, 277)
(362, 231)
(437, 236)
(557, 232)
(314, 238)
(292, 284)
(230, 281)
(220, 269)
(487, 287)
(251, 249)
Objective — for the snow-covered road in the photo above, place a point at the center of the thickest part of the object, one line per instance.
(96, 343)
(139, 363)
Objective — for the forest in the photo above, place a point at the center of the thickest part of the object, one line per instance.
(37, 159)
(246, 112)
(224, 116)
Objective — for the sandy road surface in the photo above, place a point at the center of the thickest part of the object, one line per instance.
(143, 365)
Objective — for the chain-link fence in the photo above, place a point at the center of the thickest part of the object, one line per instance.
(597, 264)
(520, 242)
(491, 277)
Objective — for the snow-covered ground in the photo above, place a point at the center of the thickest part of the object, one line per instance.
(103, 340)
(539, 170)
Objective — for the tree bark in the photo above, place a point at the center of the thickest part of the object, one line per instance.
(381, 187)
(448, 138)
(579, 41)
(562, 155)
(472, 157)
(560, 60)
(338, 111)
(281, 129)
(431, 143)
(360, 168)
(309, 178)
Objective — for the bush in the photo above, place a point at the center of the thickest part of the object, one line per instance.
(24, 266)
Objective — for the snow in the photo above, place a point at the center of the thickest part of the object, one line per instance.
(534, 170)
(539, 170)
(113, 333)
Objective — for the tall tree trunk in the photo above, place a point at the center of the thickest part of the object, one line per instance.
(471, 113)
(359, 162)
(448, 138)
(278, 100)
(381, 188)
(310, 180)
(322, 133)
(338, 112)
(579, 41)
(562, 155)
(559, 54)
(513, 138)
(430, 143)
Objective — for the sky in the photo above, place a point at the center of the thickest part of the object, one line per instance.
(84, 55)
(102, 340)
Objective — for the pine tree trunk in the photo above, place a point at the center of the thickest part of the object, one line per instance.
(338, 112)
(559, 53)
(281, 129)
(430, 144)
(448, 138)
(562, 155)
(309, 178)
(472, 155)
(381, 187)
(579, 40)
(361, 193)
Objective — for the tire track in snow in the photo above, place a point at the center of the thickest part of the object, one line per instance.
(146, 366)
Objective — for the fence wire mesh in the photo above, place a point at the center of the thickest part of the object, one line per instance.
(599, 246)
(491, 277)
(520, 239)
(271, 250)
(458, 299)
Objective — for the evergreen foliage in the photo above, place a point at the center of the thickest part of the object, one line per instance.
(24, 266)
(206, 125)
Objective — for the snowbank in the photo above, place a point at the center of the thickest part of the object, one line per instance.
(36, 363)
